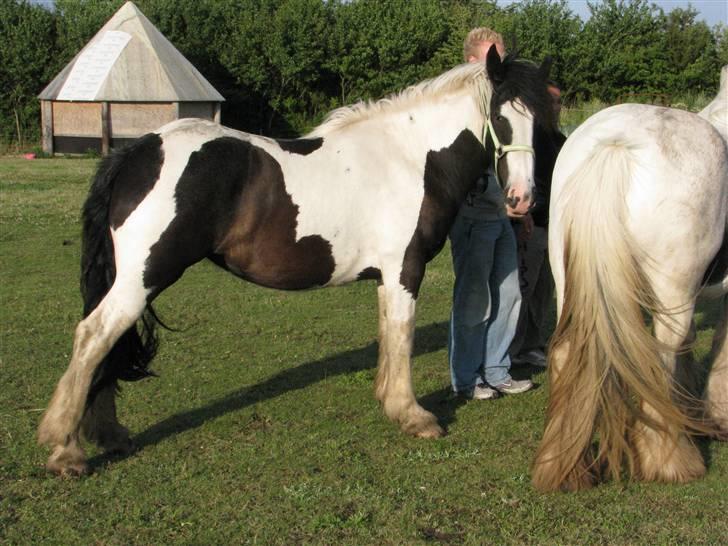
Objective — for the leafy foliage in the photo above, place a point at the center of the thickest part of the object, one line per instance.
(282, 64)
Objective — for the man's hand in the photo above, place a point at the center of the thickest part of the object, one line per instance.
(524, 234)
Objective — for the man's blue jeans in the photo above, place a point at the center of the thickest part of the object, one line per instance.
(486, 301)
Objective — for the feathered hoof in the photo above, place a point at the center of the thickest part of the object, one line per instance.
(670, 463)
(68, 462)
(720, 426)
(424, 425)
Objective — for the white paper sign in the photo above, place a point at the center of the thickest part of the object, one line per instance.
(93, 65)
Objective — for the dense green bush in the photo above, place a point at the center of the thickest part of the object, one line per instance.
(282, 64)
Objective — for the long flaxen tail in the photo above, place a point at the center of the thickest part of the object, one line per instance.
(130, 356)
(604, 360)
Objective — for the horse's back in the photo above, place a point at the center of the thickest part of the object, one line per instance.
(674, 169)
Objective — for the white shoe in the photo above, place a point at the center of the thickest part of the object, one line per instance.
(514, 386)
(479, 392)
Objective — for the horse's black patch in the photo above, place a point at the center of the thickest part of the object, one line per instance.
(301, 146)
(449, 174)
(232, 207)
(547, 144)
(369, 273)
(504, 131)
(135, 177)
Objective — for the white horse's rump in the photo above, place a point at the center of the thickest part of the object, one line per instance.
(371, 194)
(638, 212)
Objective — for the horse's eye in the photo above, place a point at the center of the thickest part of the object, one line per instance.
(500, 118)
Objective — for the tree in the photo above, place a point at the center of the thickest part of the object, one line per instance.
(26, 66)
(691, 52)
(622, 50)
(545, 27)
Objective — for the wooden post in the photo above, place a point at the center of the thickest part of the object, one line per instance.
(105, 129)
(46, 113)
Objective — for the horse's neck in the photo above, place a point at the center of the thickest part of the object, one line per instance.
(435, 123)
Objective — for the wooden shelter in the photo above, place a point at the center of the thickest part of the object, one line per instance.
(127, 81)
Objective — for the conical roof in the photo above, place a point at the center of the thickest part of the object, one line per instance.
(130, 60)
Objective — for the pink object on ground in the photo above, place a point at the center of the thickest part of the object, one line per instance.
(29, 156)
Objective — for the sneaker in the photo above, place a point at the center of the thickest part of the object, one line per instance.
(479, 392)
(514, 386)
(531, 358)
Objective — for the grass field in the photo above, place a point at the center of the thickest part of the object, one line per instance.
(262, 427)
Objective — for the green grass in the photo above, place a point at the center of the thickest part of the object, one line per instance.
(262, 427)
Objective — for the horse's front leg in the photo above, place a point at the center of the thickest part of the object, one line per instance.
(394, 379)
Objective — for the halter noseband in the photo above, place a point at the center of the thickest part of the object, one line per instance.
(501, 150)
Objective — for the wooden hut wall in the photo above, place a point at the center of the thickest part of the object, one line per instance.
(76, 127)
(130, 120)
(204, 110)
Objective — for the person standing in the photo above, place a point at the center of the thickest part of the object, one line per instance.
(486, 295)
(537, 284)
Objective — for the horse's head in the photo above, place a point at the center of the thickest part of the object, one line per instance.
(519, 100)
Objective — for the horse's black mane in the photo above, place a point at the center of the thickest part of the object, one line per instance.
(526, 81)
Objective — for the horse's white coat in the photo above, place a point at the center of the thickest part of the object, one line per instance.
(671, 194)
(717, 111)
(640, 197)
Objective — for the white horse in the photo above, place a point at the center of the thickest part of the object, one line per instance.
(638, 214)
(370, 194)
(717, 111)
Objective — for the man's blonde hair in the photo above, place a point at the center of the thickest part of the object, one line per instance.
(476, 37)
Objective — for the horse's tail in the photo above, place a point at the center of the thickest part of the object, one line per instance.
(129, 358)
(604, 361)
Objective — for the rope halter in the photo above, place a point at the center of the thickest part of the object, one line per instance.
(500, 149)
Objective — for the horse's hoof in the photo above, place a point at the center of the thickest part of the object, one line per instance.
(433, 431)
(425, 427)
(68, 470)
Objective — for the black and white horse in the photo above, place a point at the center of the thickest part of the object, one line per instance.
(369, 194)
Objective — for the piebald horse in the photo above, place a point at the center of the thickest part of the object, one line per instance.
(369, 194)
(638, 217)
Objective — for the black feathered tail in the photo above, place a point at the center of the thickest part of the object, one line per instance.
(130, 356)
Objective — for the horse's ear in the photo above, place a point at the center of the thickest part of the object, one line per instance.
(494, 66)
(545, 68)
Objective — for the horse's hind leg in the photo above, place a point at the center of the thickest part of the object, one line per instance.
(394, 379)
(95, 336)
(717, 388)
(664, 451)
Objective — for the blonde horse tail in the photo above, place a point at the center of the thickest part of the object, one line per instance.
(604, 361)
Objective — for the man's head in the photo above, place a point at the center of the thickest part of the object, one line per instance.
(478, 42)
(555, 93)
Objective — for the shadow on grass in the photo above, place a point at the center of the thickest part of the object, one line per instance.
(429, 338)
